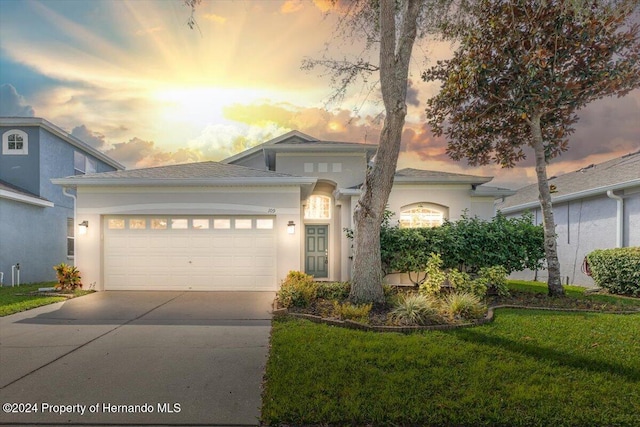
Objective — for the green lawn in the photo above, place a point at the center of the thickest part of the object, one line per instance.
(527, 368)
(11, 302)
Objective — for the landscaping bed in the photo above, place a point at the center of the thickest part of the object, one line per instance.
(522, 294)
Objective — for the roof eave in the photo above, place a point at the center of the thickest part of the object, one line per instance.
(180, 182)
(454, 180)
(18, 197)
(573, 196)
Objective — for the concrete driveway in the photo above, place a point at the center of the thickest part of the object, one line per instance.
(136, 358)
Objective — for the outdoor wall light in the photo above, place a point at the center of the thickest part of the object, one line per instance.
(291, 227)
(83, 226)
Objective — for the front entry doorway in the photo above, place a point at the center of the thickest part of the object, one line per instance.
(317, 250)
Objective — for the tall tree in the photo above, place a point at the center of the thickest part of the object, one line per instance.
(393, 26)
(522, 71)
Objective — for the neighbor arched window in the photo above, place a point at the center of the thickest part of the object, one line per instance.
(423, 215)
(318, 207)
(15, 142)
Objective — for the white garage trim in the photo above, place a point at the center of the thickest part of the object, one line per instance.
(182, 252)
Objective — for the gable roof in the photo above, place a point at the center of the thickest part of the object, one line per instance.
(60, 133)
(202, 173)
(616, 174)
(296, 141)
(421, 176)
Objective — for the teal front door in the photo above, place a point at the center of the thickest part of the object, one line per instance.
(316, 250)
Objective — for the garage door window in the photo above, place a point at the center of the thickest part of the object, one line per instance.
(137, 224)
(179, 224)
(243, 224)
(115, 224)
(222, 224)
(159, 224)
(264, 224)
(200, 224)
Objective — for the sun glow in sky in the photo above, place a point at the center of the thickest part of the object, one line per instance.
(130, 78)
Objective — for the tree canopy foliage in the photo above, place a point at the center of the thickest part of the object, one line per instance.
(522, 71)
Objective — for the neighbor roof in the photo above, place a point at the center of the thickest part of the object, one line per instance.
(616, 174)
(11, 192)
(202, 173)
(59, 132)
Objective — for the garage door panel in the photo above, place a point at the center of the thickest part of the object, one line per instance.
(190, 259)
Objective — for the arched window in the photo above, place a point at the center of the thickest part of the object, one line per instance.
(422, 215)
(318, 207)
(15, 142)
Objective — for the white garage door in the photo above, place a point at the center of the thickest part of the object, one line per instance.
(189, 253)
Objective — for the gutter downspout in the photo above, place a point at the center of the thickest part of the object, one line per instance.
(75, 216)
(619, 217)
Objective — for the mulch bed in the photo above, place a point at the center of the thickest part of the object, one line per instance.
(322, 311)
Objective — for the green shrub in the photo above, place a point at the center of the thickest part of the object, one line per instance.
(333, 290)
(358, 313)
(617, 270)
(68, 277)
(297, 290)
(416, 310)
(462, 282)
(435, 276)
(495, 279)
(463, 305)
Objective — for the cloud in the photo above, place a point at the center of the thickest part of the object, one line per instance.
(151, 30)
(94, 139)
(137, 153)
(214, 18)
(12, 104)
(291, 6)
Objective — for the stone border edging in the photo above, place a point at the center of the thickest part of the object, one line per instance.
(489, 317)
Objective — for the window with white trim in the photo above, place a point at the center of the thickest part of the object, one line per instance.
(422, 215)
(71, 237)
(318, 207)
(15, 142)
(83, 164)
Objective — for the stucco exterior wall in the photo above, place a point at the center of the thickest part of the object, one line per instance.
(585, 225)
(351, 167)
(23, 170)
(33, 236)
(36, 237)
(94, 203)
(456, 197)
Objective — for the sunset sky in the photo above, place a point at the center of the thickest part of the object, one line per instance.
(130, 78)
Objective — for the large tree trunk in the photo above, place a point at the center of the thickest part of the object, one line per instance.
(395, 54)
(554, 281)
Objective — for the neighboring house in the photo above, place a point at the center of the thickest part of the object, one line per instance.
(244, 223)
(37, 226)
(596, 207)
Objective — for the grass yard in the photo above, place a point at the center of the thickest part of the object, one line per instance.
(527, 368)
(12, 302)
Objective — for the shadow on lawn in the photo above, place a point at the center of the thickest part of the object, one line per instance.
(542, 353)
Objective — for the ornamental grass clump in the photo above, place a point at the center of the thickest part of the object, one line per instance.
(348, 311)
(416, 309)
(463, 306)
(297, 290)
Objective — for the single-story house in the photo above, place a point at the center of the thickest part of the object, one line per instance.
(596, 207)
(37, 225)
(245, 222)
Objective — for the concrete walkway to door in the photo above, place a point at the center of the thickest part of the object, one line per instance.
(137, 358)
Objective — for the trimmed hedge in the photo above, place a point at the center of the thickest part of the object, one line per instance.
(617, 270)
(468, 244)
